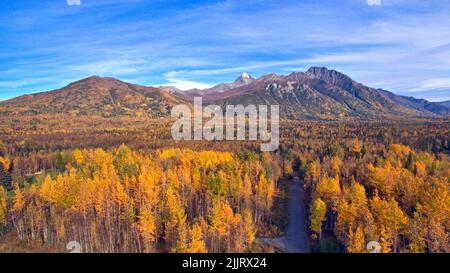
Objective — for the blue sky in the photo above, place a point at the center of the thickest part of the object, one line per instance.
(399, 45)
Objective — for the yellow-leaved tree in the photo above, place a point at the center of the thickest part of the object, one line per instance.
(3, 206)
(317, 216)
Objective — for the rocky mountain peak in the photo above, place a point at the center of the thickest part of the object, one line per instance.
(245, 78)
(330, 76)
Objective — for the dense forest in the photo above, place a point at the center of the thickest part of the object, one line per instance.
(124, 201)
(396, 196)
(136, 190)
(366, 186)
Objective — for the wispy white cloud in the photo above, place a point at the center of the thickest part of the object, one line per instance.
(431, 84)
(73, 2)
(187, 85)
(110, 67)
(374, 2)
(397, 47)
(232, 70)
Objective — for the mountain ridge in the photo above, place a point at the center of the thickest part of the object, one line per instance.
(319, 93)
(95, 95)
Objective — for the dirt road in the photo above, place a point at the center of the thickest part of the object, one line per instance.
(295, 240)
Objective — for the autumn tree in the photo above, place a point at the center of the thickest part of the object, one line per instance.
(391, 221)
(356, 242)
(3, 207)
(317, 216)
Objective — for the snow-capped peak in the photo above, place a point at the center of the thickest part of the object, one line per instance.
(245, 78)
(245, 75)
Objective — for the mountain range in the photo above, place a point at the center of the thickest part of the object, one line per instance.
(317, 94)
